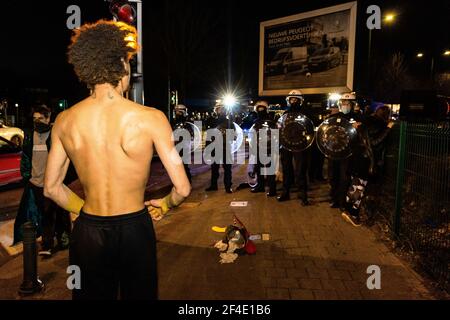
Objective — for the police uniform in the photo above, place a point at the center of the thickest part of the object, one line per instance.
(263, 115)
(222, 123)
(301, 159)
(180, 123)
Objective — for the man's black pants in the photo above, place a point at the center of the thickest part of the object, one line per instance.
(115, 255)
(215, 174)
(265, 179)
(339, 181)
(302, 162)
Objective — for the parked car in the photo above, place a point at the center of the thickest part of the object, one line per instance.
(287, 60)
(15, 135)
(10, 155)
(325, 58)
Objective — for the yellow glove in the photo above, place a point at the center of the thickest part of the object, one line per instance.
(158, 210)
(74, 203)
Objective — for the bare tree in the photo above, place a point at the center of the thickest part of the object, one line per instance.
(394, 78)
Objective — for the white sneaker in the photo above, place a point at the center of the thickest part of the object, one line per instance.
(45, 253)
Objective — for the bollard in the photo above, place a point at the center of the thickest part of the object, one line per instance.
(31, 283)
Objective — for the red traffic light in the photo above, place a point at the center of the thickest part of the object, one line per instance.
(123, 11)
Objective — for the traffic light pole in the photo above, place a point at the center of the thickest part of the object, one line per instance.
(137, 89)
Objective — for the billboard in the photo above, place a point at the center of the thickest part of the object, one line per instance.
(312, 51)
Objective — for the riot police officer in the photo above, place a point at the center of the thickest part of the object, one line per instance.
(339, 175)
(301, 158)
(263, 120)
(180, 119)
(222, 122)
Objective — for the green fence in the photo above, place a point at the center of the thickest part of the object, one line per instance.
(414, 194)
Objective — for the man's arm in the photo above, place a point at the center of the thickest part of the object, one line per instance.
(57, 164)
(375, 141)
(162, 137)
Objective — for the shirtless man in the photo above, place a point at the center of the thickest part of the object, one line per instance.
(110, 141)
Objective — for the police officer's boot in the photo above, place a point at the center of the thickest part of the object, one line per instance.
(212, 187)
(284, 196)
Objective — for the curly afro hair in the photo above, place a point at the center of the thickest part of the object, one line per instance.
(97, 50)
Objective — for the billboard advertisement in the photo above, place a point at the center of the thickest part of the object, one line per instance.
(312, 51)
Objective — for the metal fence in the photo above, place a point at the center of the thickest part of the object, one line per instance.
(414, 195)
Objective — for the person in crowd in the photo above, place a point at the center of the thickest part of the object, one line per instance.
(371, 135)
(51, 220)
(302, 159)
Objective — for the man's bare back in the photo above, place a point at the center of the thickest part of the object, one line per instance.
(111, 153)
(110, 141)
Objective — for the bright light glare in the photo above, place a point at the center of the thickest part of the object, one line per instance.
(229, 101)
(447, 53)
(419, 55)
(389, 18)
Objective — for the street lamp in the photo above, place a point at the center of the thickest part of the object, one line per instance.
(17, 114)
(420, 55)
(389, 18)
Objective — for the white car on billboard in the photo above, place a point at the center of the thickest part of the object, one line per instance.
(287, 60)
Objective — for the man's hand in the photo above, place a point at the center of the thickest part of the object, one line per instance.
(157, 208)
(390, 124)
(356, 124)
(73, 216)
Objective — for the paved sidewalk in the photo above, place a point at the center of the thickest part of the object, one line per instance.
(312, 254)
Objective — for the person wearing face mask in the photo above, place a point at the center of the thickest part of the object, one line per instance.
(222, 122)
(53, 220)
(261, 109)
(339, 177)
(302, 159)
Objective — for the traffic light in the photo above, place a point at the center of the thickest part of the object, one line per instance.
(174, 97)
(62, 104)
(123, 11)
(130, 12)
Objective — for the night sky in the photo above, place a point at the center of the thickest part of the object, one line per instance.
(204, 37)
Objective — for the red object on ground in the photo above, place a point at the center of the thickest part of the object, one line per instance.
(10, 167)
(250, 247)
